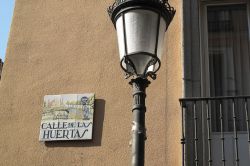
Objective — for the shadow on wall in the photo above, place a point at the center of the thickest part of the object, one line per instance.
(97, 130)
(1, 67)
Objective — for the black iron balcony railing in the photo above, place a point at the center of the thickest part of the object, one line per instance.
(215, 131)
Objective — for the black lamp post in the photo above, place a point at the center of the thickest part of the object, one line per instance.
(140, 25)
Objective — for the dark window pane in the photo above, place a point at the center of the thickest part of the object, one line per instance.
(229, 62)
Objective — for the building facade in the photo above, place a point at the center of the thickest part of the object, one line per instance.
(216, 82)
(70, 47)
(65, 47)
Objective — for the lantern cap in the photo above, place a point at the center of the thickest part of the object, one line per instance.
(160, 6)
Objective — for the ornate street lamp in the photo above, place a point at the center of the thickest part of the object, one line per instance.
(141, 26)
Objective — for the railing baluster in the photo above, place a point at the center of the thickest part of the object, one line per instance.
(183, 141)
(235, 134)
(195, 136)
(209, 139)
(222, 135)
(247, 120)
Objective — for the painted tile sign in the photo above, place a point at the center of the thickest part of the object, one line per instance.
(67, 117)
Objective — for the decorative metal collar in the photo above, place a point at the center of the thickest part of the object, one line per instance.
(162, 6)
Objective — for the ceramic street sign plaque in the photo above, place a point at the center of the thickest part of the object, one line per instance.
(67, 117)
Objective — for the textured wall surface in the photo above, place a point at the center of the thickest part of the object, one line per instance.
(70, 46)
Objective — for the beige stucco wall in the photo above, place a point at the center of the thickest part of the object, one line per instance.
(70, 46)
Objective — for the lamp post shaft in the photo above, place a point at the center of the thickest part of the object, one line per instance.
(138, 125)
